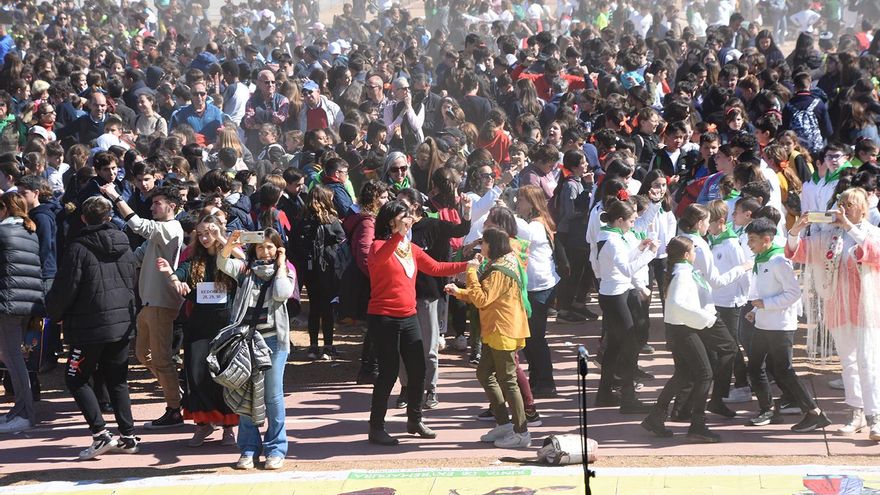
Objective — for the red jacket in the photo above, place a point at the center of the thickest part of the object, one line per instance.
(542, 85)
(392, 293)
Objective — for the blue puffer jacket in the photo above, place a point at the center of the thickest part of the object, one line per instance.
(21, 282)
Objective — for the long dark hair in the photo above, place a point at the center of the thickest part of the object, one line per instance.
(677, 248)
(649, 179)
(498, 241)
(387, 214)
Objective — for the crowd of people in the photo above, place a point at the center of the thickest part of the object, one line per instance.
(466, 176)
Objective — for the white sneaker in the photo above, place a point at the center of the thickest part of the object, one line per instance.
(514, 440)
(497, 433)
(836, 384)
(15, 425)
(874, 434)
(856, 424)
(244, 462)
(274, 462)
(460, 343)
(738, 395)
(101, 443)
(441, 344)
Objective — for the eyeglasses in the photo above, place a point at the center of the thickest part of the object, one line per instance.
(398, 169)
(834, 156)
(268, 82)
(201, 94)
(486, 176)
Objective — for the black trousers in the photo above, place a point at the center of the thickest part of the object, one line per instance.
(776, 345)
(570, 286)
(692, 368)
(731, 318)
(395, 339)
(320, 310)
(621, 348)
(112, 358)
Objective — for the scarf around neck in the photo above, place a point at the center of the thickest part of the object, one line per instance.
(766, 255)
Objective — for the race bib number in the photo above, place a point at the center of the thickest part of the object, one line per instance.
(210, 293)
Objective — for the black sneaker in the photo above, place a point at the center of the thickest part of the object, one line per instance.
(786, 406)
(647, 349)
(811, 422)
(720, 409)
(366, 378)
(431, 401)
(330, 350)
(552, 313)
(106, 408)
(641, 374)
(474, 359)
(634, 406)
(127, 445)
(532, 418)
(680, 416)
(589, 314)
(313, 353)
(654, 424)
(486, 415)
(401, 399)
(171, 419)
(703, 435)
(763, 418)
(101, 442)
(567, 316)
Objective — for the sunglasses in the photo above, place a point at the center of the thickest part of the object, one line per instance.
(398, 169)
(307, 92)
(268, 82)
(201, 93)
(486, 176)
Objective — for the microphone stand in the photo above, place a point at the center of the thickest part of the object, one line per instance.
(582, 359)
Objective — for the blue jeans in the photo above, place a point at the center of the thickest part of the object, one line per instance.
(274, 442)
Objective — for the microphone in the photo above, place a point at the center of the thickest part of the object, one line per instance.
(583, 357)
(582, 352)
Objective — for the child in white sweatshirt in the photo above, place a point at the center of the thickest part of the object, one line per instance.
(775, 294)
(689, 311)
(729, 299)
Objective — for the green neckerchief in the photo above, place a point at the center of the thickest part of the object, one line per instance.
(737, 230)
(733, 194)
(522, 277)
(615, 230)
(728, 233)
(766, 255)
(639, 235)
(399, 187)
(830, 177)
(697, 276)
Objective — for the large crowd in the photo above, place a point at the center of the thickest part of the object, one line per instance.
(456, 180)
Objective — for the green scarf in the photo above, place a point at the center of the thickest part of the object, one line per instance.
(399, 187)
(615, 230)
(766, 255)
(829, 177)
(6, 122)
(733, 194)
(697, 276)
(728, 233)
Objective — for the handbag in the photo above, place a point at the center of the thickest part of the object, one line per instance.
(229, 360)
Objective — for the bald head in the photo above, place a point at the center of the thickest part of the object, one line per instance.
(98, 105)
(266, 82)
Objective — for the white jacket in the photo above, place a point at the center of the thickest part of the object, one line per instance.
(682, 308)
(540, 268)
(705, 263)
(619, 259)
(659, 225)
(727, 255)
(776, 285)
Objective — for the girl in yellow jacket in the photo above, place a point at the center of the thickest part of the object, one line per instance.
(496, 292)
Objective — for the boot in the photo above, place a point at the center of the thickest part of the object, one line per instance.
(699, 432)
(655, 423)
(419, 428)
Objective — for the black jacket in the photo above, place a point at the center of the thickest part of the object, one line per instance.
(94, 288)
(46, 217)
(21, 281)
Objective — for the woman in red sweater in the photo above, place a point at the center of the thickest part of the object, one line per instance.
(391, 317)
